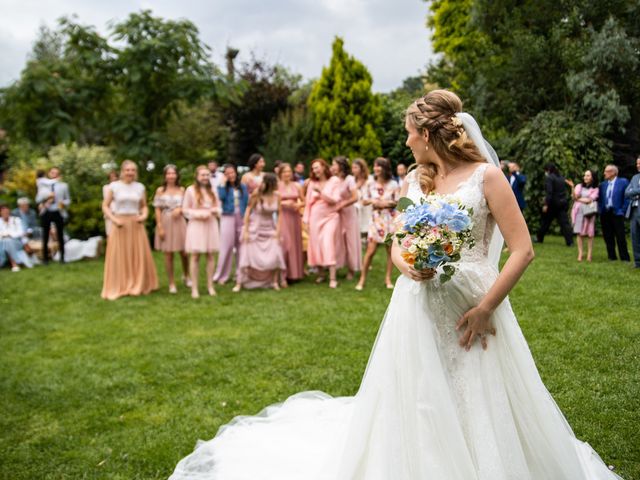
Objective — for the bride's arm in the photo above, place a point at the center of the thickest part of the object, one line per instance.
(504, 208)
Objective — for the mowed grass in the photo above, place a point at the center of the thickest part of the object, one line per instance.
(122, 390)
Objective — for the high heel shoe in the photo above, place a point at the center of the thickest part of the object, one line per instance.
(195, 295)
(173, 289)
(359, 287)
(187, 282)
(236, 288)
(212, 291)
(333, 284)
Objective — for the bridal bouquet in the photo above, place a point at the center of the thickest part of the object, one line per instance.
(431, 234)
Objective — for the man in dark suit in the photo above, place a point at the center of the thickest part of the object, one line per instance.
(612, 206)
(632, 193)
(517, 181)
(555, 205)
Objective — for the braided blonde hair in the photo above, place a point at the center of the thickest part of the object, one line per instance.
(435, 113)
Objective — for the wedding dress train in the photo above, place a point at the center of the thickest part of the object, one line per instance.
(426, 408)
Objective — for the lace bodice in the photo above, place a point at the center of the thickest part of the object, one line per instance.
(471, 193)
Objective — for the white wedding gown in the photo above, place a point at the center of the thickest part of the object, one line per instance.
(426, 408)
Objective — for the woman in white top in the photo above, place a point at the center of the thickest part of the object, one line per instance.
(128, 265)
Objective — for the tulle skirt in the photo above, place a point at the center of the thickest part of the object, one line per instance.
(426, 408)
(128, 264)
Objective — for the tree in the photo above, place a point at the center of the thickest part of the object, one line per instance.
(345, 112)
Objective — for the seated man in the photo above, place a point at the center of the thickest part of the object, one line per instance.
(11, 247)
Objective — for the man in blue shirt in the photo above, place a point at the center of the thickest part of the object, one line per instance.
(612, 206)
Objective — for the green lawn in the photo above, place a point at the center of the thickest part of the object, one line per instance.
(122, 390)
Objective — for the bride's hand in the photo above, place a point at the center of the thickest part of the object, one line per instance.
(420, 275)
(478, 324)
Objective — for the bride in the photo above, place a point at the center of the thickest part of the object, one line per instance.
(451, 391)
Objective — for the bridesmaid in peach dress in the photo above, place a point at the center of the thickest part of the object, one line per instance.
(261, 257)
(291, 200)
(201, 207)
(253, 177)
(128, 264)
(349, 245)
(171, 226)
(321, 214)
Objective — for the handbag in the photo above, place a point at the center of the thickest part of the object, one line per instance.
(589, 209)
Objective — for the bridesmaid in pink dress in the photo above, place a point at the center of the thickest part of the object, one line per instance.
(201, 207)
(321, 214)
(291, 200)
(261, 257)
(171, 227)
(253, 177)
(349, 244)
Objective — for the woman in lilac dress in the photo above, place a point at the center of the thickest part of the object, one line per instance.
(584, 194)
(382, 195)
(234, 198)
(349, 244)
(291, 200)
(261, 258)
(171, 226)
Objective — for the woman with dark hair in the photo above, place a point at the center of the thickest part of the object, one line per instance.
(382, 194)
(128, 264)
(349, 245)
(360, 172)
(201, 208)
(261, 258)
(321, 214)
(171, 226)
(253, 177)
(234, 197)
(585, 211)
(291, 200)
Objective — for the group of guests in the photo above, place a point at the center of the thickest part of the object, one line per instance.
(613, 200)
(275, 227)
(20, 229)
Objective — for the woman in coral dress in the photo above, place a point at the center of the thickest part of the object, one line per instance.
(261, 258)
(322, 216)
(171, 226)
(201, 207)
(349, 244)
(291, 200)
(382, 195)
(128, 264)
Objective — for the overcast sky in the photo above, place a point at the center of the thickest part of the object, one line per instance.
(388, 36)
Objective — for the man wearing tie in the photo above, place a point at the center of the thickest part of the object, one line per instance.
(632, 194)
(53, 197)
(517, 181)
(612, 206)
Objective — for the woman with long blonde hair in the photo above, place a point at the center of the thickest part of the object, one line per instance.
(201, 207)
(451, 391)
(128, 265)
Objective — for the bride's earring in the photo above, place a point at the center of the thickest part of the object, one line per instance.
(426, 148)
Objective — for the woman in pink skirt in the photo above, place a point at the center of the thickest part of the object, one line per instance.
(584, 226)
(291, 200)
(201, 209)
(261, 258)
(349, 245)
(321, 214)
(171, 227)
(234, 198)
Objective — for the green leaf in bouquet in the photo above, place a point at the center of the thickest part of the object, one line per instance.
(403, 204)
(444, 278)
(449, 270)
(388, 240)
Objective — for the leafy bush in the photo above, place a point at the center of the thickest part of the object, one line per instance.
(555, 137)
